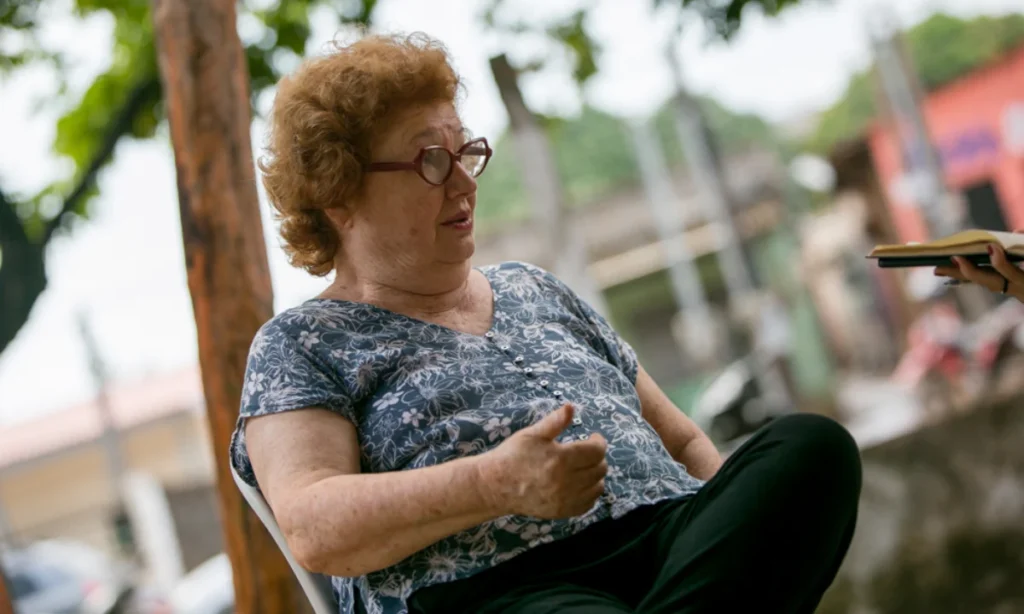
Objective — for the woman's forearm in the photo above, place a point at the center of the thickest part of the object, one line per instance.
(351, 525)
(700, 456)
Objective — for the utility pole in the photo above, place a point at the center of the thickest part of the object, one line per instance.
(699, 338)
(108, 436)
(709, 178)
(904, 109)
(566, 254)
(902, 99)
(206, 89)
(110, 439)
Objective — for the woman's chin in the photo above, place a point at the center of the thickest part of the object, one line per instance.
(458, 252)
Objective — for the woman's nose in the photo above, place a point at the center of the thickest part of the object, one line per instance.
(460, 183)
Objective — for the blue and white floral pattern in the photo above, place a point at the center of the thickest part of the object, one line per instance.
(422, 394)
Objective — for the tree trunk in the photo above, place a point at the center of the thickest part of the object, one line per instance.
(565, 253)
(206, 87)
(6, 603)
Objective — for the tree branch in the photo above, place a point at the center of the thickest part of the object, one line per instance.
(22, 274)
(144, 93)
(11, 229)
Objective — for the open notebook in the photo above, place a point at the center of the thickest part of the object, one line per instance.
(970, 244)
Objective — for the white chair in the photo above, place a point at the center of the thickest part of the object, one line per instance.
(317, 588)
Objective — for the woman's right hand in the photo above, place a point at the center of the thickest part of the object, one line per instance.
(533, 474)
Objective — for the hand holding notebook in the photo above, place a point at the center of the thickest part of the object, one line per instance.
(971, 245)
(982, 257)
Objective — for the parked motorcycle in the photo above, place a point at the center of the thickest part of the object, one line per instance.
(935, 362)
(733, 406)
(992, 342)
(949, 362)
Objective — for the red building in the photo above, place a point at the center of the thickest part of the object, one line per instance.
(977, 125)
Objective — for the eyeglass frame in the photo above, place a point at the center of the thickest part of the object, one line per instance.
(417, 162)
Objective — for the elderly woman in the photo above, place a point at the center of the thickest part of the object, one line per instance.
(443, 438)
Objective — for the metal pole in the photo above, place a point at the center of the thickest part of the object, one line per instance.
(924, 168)
(565, 252)
(911, 127)
(706, 174)
(109, 439)
(679, 259)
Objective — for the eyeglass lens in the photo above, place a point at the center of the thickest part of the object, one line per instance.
(436, 163)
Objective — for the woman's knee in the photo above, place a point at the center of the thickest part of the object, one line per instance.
(815, 445)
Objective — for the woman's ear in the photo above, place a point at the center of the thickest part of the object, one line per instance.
(340, 217)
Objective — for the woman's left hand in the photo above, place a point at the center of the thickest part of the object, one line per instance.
(1003, 275)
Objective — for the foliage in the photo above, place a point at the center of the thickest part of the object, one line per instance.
(84, 128)
(724, 17)
(943, 48)
(123, 101)
(569, 32)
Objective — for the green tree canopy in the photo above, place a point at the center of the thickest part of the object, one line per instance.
(943, 48)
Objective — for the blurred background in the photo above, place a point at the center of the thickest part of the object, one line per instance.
(709, 174)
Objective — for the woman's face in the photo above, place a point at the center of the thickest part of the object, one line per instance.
(401, 220)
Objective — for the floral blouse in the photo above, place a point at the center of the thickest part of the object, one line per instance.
(421, 394)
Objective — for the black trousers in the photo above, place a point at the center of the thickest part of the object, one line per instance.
(767, 534)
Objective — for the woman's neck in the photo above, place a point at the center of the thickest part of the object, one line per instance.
(419, 294)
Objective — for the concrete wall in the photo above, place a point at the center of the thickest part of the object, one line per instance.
(941, 526)
(71, 495)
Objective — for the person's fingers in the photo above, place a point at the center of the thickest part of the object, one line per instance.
(987, 279)
(594, 491)
(949, 271)
(585, 453)
(551, 425)
(1005, 268)
(591, 476)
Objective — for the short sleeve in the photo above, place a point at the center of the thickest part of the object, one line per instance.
(617, 350)
(284, 373)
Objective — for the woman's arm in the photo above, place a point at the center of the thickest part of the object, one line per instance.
(681, 436)
(343, 523)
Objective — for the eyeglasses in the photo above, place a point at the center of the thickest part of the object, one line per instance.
(436, 163)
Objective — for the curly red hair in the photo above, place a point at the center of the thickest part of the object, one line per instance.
(325, 114)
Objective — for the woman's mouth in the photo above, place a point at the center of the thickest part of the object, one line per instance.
(464, 222)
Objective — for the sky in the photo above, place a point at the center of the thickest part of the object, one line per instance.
(123, 270)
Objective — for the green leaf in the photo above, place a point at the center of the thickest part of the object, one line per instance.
(574, 36)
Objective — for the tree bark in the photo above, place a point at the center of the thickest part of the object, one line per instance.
(6, 603)
(205, 83)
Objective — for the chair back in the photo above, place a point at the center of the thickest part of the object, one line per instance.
(317, 587)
